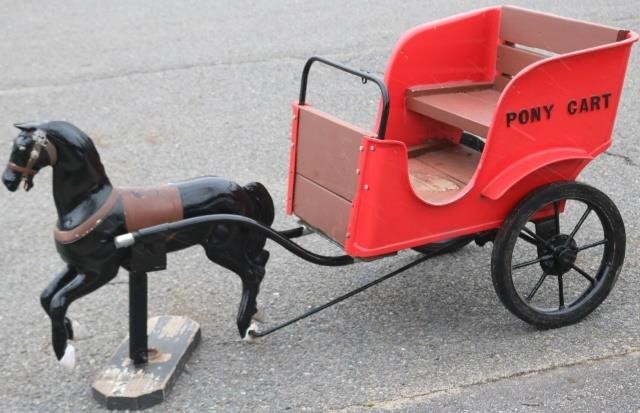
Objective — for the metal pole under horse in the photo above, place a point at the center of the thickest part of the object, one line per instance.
(138, 343)
(145, 366)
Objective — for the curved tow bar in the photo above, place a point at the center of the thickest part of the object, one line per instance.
(281, 237)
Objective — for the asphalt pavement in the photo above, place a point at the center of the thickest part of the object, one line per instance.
(170, 90)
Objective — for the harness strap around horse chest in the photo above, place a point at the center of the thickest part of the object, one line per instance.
(66, 237)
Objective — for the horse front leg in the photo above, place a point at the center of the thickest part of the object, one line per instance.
(59, 281)
(79, 286)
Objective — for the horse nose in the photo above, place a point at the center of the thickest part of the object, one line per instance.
(10, 180)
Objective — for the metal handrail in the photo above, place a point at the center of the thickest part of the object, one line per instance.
(363, 75)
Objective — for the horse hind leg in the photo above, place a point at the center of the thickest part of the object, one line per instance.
(251, 273)
(247, 317)
(257, 258)
(262, 258)
(260, 263)
(248, 308)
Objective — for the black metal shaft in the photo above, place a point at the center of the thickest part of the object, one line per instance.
(185, 224)
(138, 347)
(292, 233)
(341, 298)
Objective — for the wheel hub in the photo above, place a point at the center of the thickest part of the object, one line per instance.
(565, 252)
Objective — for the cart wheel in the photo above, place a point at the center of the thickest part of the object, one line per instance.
(558, 254)
(444, 247)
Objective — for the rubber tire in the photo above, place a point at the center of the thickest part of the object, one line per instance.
(444, 247)
(508, 234)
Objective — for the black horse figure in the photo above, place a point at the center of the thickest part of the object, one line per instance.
(91, 212)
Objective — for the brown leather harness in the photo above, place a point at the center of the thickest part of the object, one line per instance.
(69, 236)
(28, 171)
(142, 207)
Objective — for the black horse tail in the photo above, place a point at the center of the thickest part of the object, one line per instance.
(262, 203)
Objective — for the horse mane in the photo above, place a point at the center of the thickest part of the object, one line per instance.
(65, 135)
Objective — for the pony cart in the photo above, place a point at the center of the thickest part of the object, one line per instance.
(485, 121)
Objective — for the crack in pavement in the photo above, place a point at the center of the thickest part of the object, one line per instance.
(166, 69)
(454, 389)
(627, 160)
(124, 75)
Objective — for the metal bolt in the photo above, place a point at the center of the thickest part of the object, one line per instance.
(348, 235)
(366, 187)
(357, 171)
(372, 148)
(360, 148)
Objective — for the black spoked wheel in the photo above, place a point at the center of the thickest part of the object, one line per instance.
(558, 254)
(444, 247)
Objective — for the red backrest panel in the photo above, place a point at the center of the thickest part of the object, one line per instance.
(462, 47)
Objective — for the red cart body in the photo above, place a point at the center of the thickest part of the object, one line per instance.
(541, 90)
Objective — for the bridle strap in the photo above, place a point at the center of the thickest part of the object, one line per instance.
(21, 169)
(35, 156)
(52, 152)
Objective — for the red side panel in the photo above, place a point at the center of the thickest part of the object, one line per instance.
(388, 216)
(559, 108)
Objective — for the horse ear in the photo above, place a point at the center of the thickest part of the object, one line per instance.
(27, 126)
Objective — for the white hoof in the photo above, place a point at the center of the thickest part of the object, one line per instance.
(68, 361)
(248, 337)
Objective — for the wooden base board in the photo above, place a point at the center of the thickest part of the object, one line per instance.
(123, 386)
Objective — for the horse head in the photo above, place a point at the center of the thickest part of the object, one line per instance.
(31, 151)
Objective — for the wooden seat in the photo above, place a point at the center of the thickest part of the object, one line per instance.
(439, 170)
(467, 106)
(525, 37)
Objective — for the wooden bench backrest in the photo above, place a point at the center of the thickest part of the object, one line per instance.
(548, 34)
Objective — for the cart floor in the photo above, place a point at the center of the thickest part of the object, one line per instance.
(439, 170)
